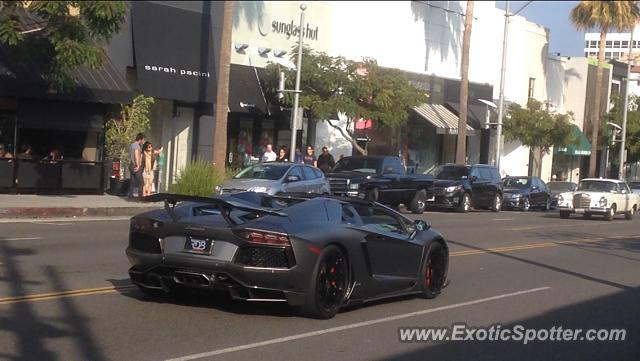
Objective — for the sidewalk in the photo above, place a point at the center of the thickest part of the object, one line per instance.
(45, 206)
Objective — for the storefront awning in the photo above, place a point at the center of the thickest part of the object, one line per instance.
(245, 90)
(442, 118)
(582, 146)
(105, 85)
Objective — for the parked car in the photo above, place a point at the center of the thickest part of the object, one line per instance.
(635, 187)
(276, 177)
(524, 193)
(464, 186)
(380, 178)
(606, 197)
(310, 251)
(558, 187)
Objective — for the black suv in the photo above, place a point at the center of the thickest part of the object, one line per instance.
(461, 187)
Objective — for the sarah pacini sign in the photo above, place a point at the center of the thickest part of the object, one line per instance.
(174, 52)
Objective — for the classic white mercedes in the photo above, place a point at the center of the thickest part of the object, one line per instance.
(606, 197)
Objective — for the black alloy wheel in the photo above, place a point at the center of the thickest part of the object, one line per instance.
(433, 272)
(330, 281)
(419, 202)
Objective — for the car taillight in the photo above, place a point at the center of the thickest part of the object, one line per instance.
(267, 238)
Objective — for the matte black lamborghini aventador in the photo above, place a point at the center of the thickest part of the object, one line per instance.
(316, 252)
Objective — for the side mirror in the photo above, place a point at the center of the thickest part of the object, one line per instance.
(422, 225)
(292, 178)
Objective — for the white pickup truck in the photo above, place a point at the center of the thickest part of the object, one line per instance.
(606, 197)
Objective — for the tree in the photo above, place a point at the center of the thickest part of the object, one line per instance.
(603, 16)
(59, 36)
(121, 130)
(461, 148)
(539, 129)
(360, 89)
(222, 94)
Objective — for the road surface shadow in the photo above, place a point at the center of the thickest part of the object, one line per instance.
(32, 333)
(616, 311)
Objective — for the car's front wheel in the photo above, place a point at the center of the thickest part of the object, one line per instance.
(433, 272)
(328, 286)
(465, 203)
(497, 203)
(526, 205)
(419, 202)
(611, 213)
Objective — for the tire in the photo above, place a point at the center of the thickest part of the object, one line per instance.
(586, 216)
(564, 214)
(465, 203)
(497, 203)
(526, 206)
(433, 272)
(372, 195)
(419, 202)
(328, 284)
(611, 213)
(629, 214)
(547, 205)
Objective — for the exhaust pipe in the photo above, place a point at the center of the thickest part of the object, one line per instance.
(191, 278)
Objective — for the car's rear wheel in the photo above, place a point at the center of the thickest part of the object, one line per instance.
(564, 214)
(611, 212)
(628, 215)
(433, 271)
(329, 283)
(465, 203)
(497, 203)
(419, 202)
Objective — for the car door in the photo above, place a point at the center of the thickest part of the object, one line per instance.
(390, 188)
(535, 192)
(623, 193)
(479, 188)
(393, 257)
(544, 191)
(311, 182)
(297, 186)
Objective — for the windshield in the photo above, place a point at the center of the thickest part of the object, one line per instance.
(561, 186)
(263, 171)
(596, 186)
(516, 182)
(451, 172)
(357, 164)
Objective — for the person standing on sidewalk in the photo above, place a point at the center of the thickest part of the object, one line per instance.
(326, 161)
(135, 169)
(269, 155)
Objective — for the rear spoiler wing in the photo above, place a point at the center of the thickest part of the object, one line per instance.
(225, 205)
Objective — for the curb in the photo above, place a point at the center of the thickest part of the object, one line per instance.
(58, 212)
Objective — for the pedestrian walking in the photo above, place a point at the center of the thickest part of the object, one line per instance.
(310, 158)
(135, 165)
(326, 161)
(4, 153)
(269, 155)
(148, 168)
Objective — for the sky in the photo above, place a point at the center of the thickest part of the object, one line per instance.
(554, 15)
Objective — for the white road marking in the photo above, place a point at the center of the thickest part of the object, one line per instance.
(67, 220)
(21, 239)
(352, 326)
(504, 219)
(53, 224)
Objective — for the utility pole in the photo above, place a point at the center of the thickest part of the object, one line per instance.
(623, 134)
(503, 69)
(296, 95)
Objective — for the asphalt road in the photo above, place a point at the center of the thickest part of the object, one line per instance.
(65, 295)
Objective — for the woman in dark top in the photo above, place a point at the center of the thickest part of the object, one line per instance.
(310, 158)
(282, 155)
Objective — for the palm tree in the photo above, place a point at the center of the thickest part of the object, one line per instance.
(461, 148)
(222, 93)
(603, 16)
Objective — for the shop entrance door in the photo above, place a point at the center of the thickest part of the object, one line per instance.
(7, 140)
(180, 143)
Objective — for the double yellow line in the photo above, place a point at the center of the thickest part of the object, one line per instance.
(64, 294)
(113, 289)
(532, 246)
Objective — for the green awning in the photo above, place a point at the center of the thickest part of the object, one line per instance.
(583, 146)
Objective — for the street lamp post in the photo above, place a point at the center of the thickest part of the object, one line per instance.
(623, 134)
(296, 96)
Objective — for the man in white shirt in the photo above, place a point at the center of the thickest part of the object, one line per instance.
(269, 155)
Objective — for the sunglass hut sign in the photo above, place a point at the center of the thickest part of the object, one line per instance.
(287, 29)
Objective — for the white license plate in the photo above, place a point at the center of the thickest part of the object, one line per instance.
(579, 210)
(432, 199)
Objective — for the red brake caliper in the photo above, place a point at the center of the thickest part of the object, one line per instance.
(428, 274)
